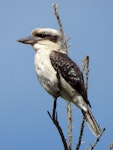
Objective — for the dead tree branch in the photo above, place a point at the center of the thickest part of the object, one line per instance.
(69, 115)
(81, 133)
(85, 68)
(55, 7)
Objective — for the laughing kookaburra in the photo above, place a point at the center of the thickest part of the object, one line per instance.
(50, 59)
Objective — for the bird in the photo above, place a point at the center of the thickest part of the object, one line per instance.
(51, 60)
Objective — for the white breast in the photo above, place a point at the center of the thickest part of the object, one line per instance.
(45, 72)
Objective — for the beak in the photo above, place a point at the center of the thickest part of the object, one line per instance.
(28, 40)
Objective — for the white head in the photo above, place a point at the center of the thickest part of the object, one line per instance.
(44, 38)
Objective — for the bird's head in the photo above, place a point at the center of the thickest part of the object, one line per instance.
(44, 38)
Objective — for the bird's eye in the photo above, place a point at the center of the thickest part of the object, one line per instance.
(41, 35)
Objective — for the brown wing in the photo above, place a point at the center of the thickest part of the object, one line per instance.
(70, 71)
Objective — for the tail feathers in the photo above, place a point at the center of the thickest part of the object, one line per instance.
(92, 124)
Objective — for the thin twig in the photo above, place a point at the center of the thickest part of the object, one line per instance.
(96, 141)
(55, 6)
(86, 61)
(87, 71)
(85, 67)
(81, 133)
(69, 115)
(54, 108)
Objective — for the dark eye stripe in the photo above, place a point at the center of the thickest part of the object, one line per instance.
(47, 36)
(40, 35)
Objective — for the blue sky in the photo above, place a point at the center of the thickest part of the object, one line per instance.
(24, 123)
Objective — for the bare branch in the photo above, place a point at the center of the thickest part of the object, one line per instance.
(81, 133)
(55, 6)
(54, 114)
(69, 115)
(85, 67)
